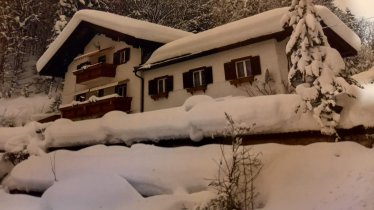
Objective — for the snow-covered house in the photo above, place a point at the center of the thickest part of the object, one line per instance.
(96, 54)
(160, 67)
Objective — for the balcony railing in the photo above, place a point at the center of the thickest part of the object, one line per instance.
(96, 109)
(95, 71)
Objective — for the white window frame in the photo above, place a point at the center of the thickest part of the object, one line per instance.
(244, 68)
(200, 72)
(163, 82)
(122, 57)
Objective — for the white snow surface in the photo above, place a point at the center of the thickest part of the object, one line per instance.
(255, 26)
(21, 110)
(199, 117)
(317, 176)
(366, 77)
(136, 28)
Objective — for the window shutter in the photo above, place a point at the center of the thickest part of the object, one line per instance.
(152, 87)
(127, 54)
(169, 83)
(256, 65)
(208, 75)
(187, 80)
(116, 58)
(230, 73)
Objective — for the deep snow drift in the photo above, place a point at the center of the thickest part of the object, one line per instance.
(200, 116)
(318, 176)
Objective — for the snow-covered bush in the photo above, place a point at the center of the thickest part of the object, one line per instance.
(261, 86)
(316, 69)
(237, 172)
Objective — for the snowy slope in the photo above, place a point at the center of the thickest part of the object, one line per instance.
(318, 176)
(199, 117)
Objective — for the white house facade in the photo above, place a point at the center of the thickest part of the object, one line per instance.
(111, 62)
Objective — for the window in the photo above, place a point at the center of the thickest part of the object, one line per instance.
(80, 97)
(121, 90)
(102, 59)
(160, 87)
(121, 56)
(242, 70)
(100, 93)
(197, 79)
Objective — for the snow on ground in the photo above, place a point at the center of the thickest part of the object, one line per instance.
(366, 77)
(200, 116)
(18, 202)
(21, 110)
(317, 176)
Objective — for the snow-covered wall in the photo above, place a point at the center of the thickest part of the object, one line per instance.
(271, 57)
(124, 72)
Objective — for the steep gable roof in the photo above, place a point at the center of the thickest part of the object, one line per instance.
(245, 31)
(86, 23)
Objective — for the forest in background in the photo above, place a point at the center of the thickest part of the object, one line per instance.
(28, 26)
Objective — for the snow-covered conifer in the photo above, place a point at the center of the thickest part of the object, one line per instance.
(316, 68)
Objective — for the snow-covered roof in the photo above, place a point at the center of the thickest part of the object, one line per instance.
(125, 25)
(248, 28)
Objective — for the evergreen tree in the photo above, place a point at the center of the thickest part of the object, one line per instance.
(316, 68)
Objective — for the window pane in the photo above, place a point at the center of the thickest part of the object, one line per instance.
(240, 69)
(196, 78)
(161, 85)
(248, 67)
(100, 93)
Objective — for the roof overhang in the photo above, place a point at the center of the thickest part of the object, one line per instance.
(74, 45)
(335, 41)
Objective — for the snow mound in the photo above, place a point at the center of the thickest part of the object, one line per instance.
(90, 192)
(19, 111)
(18, 202)
(366, 77)
(194, 100)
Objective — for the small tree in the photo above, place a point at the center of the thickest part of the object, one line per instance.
(316, 69)
(237, 172)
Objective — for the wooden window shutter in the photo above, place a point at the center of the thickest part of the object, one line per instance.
(116, 58)
(208, 75)
(152, 87)
(255, 65)
(127, 54)
(187, 80)
(230, 73)
(169, 83)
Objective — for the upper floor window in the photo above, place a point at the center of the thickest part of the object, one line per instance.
(121, 56)
(197, 79)
(121, 90)
(242, 70)
(100, 93)
(160, 87)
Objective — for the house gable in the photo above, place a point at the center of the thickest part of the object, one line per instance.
(85, 24)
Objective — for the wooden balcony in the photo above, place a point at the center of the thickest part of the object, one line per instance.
(96, 109)
(95, 71)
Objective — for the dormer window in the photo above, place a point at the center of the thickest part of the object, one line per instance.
(121, 56)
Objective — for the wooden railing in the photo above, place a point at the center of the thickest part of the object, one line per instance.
(96, 109)
(95, 71)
